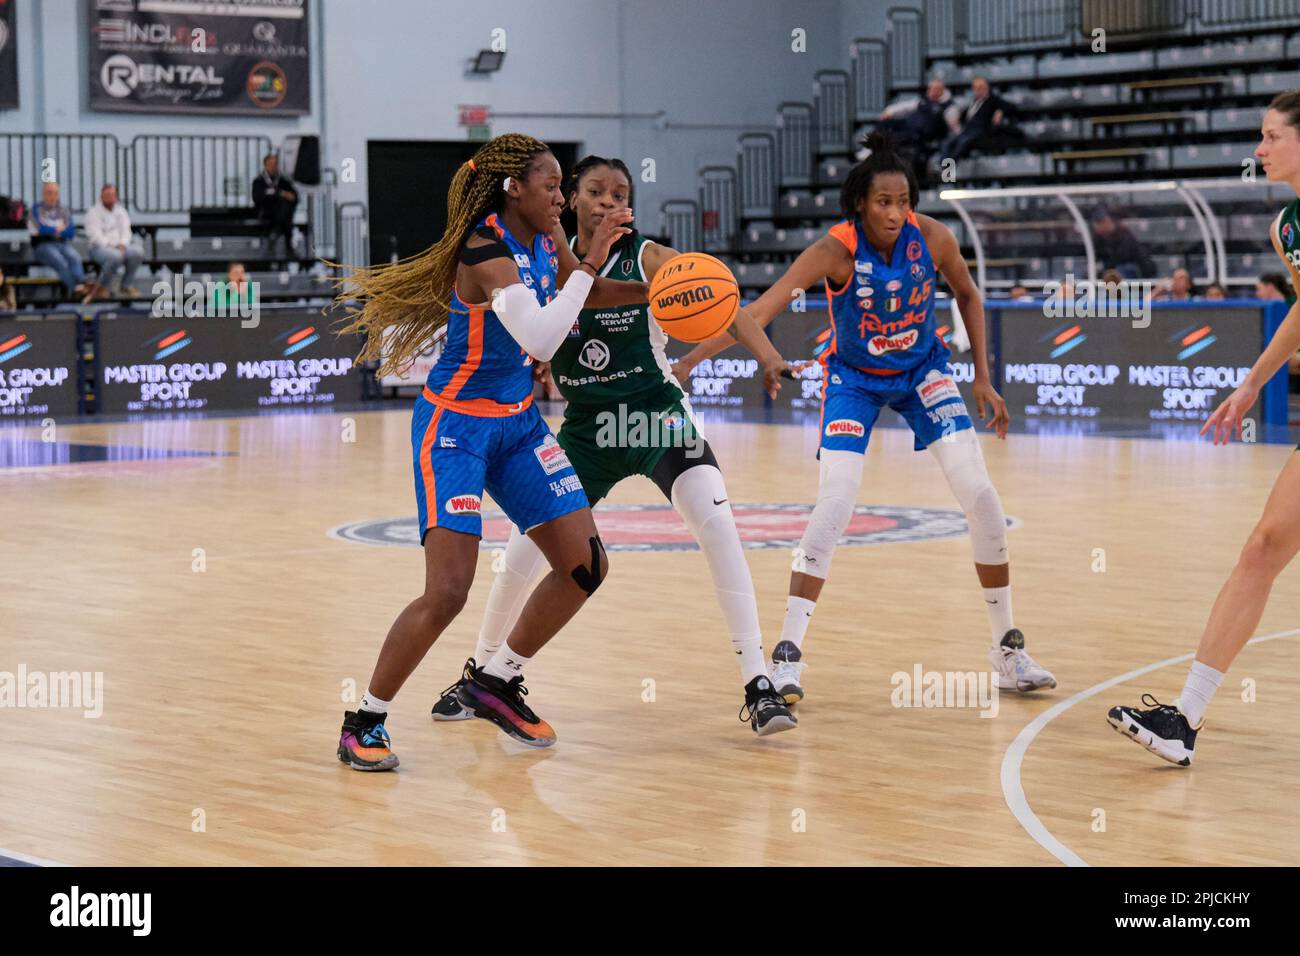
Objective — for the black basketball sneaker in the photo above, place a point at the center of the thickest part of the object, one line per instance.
(765, 709)
(1163, 729)
(449, 706)
(502, 702)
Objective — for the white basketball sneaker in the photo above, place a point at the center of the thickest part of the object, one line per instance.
(786, 666)
(1015, 669)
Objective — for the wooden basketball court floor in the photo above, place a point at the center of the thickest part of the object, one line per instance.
(223, 686)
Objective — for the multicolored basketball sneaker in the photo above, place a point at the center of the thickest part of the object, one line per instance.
(448, 705)
(364, 743)
(502, 702)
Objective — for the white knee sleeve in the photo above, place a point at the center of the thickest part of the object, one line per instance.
(513, 575)
(700, 497)
(963, 465)
(841, 476)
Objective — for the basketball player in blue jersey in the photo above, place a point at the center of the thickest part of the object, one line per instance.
(507, 294)
(880, 266)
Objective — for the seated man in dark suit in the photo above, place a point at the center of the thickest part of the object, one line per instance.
(985, 112)
(276, 199)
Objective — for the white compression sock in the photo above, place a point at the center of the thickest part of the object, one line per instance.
(510, 590)
(998, 602)
(374, 705)
(506, 663)
(700, 497)
(798, 615)
(1202, 681)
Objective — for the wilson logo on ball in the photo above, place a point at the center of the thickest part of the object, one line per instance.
(702, 293)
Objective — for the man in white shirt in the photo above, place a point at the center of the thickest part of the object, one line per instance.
(112, 244)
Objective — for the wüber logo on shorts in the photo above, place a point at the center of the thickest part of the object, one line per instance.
(845, 427)
(464, 505)
(551, 455)
(884, 344)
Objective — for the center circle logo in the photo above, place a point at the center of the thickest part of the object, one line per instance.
(659, 528)
(119, 75)
(594, 355)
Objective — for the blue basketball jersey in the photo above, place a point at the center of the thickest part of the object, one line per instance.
(883, 317)
(482, 370)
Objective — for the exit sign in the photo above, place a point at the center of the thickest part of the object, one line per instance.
(473, 115)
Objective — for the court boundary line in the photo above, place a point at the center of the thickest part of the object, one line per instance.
(27, 858)
(1013, 792)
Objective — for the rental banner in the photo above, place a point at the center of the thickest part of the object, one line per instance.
(241, 57)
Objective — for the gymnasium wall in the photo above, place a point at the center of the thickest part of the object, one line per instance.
(395, 69)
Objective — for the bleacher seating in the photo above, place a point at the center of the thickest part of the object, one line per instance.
(1187, 108)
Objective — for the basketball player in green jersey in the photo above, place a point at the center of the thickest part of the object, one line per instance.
(627, 415)
(1169, 730)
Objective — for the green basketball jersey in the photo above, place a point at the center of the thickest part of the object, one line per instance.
(1288, 233)
(613, 354)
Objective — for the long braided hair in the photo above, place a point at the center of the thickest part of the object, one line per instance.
(400, 305)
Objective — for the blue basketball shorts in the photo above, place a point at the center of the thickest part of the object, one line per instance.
(927, 398)
(514, 458)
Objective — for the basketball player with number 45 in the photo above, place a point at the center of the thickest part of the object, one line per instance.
(880, 266)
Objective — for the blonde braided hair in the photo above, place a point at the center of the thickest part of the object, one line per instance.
(412, 297)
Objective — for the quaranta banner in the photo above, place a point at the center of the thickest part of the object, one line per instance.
(243, 57)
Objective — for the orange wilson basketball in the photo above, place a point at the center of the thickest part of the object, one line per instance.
(694, 297)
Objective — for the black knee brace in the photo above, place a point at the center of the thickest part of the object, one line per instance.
(589, 578)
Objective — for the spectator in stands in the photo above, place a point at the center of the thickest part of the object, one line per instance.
(51, 227)
(276, 200)
(920, 123)
(1020, 294)
(1177, 288)
(1215, 291)
(226, 296)
(113, 245)
(8, 299)
(1273, 287)
(1117, 248)
(984, 112)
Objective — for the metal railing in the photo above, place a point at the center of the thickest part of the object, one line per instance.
(176, 172)
(154, 174)
(718, 210)
(1215, 260)
(352, 234)
(833, 108)
(81, 163)
(794, 123)
(869, 67)
(321, 220)
(679, 220)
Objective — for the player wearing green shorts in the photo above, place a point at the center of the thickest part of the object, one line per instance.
(627, 415)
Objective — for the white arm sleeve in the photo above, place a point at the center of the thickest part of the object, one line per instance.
(538, 329)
